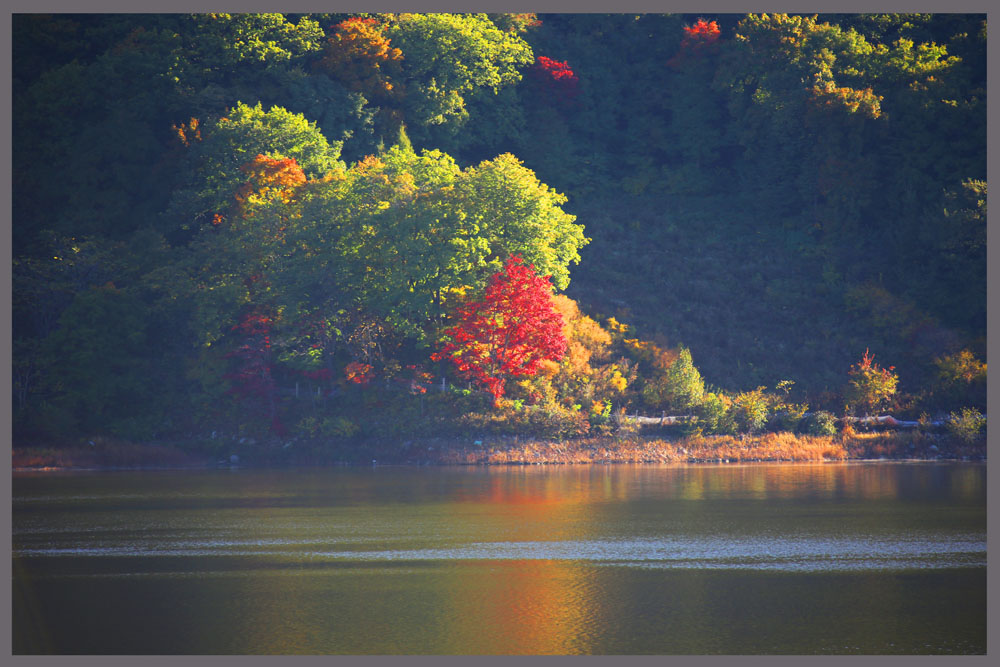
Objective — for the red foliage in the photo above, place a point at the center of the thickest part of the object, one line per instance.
(702, 32)
(359, 373)
(697, 40)
(252, 377)
(415, 378)
(252, 323)
(555, 79)
(509, 332)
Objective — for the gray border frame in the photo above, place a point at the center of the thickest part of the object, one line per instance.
(542, 6)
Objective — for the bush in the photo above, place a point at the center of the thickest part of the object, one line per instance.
(787, 417)
(328, 427)
(539, 421)
(961, 381)
(714, 415)
(870, 385)
(600, 416)
(968, 425)
(750, 410)
(819, 423)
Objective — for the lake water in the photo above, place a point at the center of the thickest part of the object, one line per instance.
(858, 558)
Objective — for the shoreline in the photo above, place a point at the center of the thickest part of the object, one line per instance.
(877, 446)
(207, 466)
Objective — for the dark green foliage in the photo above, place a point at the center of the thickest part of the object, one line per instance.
(101, 362)
(780, 195)
(819, 423)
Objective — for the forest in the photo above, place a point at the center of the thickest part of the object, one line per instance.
(328, 228)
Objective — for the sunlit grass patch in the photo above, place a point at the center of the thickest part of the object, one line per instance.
(640, 449)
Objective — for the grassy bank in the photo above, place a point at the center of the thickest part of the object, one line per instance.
(897, 445)
(717, 449)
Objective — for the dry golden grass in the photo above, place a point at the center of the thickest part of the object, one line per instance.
(501, 450)
(909, 444)
(638, 449)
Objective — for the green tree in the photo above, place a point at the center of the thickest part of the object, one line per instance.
(680, 387)
(517, 214)
(446, 57)
(213, 165)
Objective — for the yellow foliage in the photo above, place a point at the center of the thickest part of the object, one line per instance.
(962, 367)
(577, 379)
(548, 368)
(651, 353)
(580, 327)
(617, 380)
(617, 327)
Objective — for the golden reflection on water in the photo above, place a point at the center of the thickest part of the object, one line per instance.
(552, 606)
(535, 490)
(542, 607)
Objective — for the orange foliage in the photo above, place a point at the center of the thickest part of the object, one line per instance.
(358, 373)
(187, 132)
(269, 178)
(583, 376)
(279, 174)
(650, 353)
(638, 449)
(826, 95)
(359, 56)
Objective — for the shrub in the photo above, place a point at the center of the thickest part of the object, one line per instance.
(328, 427)
(870, 385)
(968, 425)
(600, 413)
(819, 423)
(961, 381)
(714, 415)
(750, 410)
(787, 417)
(539, 421)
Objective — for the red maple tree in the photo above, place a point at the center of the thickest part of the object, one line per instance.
(509, 332)
(698, 38)
(252, 379)
(555, 80)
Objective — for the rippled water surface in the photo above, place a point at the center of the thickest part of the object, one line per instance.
(830, 558)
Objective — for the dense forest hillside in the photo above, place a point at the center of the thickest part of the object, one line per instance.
(333, 226)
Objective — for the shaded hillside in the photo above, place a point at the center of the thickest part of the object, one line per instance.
(216, 216)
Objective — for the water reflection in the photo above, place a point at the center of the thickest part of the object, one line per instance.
(573, 560)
